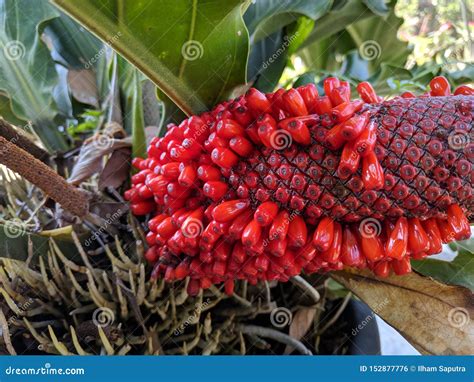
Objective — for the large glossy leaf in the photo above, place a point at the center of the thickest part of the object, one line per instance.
(459, 271)
(27, 72)
(264, 17)
(277, 29)
(376, 40)
(269, 56)
(73, 46)
(195, 52)
(343, 13)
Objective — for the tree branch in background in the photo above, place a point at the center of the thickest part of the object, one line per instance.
(13, 135)
(53, 185)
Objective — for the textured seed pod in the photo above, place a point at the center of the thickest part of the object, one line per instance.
(272, 185)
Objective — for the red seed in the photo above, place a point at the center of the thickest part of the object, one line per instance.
(241, 146)
(309, 92)
(332, 255)
(417, 237)
(215, 190)
(372, 172)
(266, 213)
(352, 128)
(324, 234)
(351, 254)
(367, 92)
(397, 243)
(440, 86)
(297, 232)
(251, 233)
(228, 128)
(365, 142)
(224, 157)
(294, 103)
(228, 211)
(434, 236)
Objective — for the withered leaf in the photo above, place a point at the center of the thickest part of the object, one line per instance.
(435, 318)
(301, 323)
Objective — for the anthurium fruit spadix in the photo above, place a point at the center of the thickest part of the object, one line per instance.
(267, 186)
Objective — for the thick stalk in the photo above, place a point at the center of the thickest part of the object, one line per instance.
(18, 160)
(14, 136)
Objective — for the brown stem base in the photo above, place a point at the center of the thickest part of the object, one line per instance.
(14, 136)
(53, 185)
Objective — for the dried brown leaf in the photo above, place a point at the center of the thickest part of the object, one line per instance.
(91, 155)
(433, 317)
(116, 169)
(83, 86)
(302, 322)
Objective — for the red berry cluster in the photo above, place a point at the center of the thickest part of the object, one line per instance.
(267, 186)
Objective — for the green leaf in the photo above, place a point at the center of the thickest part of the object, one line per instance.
(267, 75)
(27, 72)
(14, 243)
(7, 113)
(304, 79)
(138, 123)
(376, 40)
(459, 271)
(379, 7)
(341, 15)
(73, 46)
(195, 52)
(264, 17)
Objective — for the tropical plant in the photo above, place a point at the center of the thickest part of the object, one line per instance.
(85, 85)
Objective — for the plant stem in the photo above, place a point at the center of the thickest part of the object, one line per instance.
(14, 136)
(53, 185)
(261, 331)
